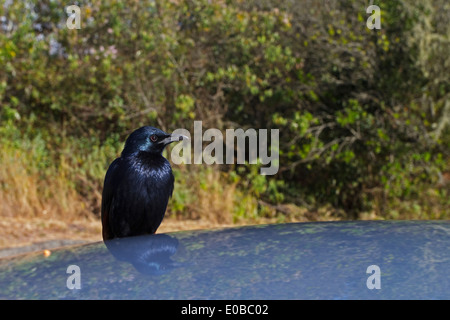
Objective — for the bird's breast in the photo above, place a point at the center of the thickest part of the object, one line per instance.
(151, 166)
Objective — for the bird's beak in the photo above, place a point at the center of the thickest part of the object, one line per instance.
(173, 138)
(178, 137)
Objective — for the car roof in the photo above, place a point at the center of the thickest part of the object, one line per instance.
(318, 260)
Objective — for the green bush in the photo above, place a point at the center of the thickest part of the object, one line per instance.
(363, 114)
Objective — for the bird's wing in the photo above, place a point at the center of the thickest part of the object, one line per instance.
(111, 180)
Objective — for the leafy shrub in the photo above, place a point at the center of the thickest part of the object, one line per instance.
(362, 114)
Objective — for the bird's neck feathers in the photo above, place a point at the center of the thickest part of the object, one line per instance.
(150, 163)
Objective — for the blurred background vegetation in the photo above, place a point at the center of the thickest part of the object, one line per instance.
(363, 114)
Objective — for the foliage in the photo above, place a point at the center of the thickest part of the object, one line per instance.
(363, 114)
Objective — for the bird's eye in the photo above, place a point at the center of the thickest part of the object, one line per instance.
(153, 138)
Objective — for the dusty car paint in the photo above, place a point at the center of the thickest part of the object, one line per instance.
(323, 260)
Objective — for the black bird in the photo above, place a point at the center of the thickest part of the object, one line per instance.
(138, 185)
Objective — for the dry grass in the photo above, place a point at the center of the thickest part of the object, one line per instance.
(215, 199)
(27, 190)
(22, 231)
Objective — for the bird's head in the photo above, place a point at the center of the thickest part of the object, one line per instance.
(149, 139)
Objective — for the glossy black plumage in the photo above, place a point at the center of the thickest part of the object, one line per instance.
(138, 185)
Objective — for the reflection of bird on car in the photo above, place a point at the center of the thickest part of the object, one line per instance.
(148, 254)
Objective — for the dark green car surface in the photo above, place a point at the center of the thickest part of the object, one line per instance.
(323, 260)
